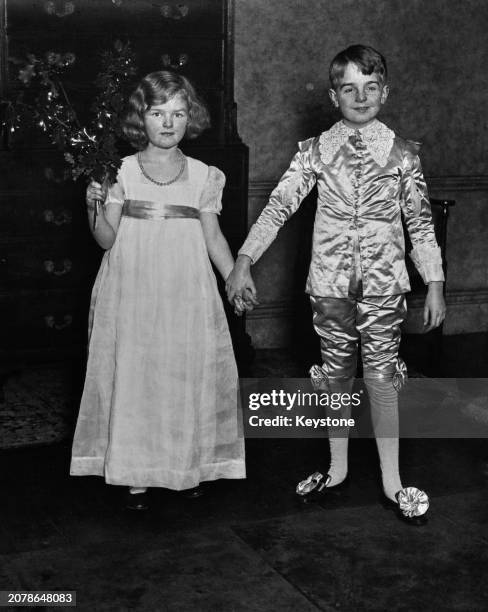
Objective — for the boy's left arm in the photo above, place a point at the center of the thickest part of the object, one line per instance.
(425, 254)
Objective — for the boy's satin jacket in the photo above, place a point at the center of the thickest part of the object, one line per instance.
(365, 178)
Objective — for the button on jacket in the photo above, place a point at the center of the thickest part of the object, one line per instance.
(365, 179)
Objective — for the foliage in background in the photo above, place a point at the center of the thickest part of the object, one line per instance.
(42, 102)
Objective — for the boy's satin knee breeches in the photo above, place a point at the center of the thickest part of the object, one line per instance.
(341, 321)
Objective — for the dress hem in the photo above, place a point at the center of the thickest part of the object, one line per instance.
(177, 481)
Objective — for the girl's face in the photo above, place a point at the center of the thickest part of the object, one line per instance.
(359, 96)
(166, 123)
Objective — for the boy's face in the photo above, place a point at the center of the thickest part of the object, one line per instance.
(359, 96)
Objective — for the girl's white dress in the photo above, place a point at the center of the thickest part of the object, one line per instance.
(160, 403)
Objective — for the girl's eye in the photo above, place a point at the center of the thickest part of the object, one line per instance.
(347, 90)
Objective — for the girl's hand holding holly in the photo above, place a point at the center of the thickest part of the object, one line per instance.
(94, 193)
(103, 224)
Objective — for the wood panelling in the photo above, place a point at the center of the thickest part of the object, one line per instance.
(48, 259)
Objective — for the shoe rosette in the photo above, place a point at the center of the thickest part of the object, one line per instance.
(315, 481)
(413, 501)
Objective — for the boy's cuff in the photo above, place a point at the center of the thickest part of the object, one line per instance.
(433, 272)
(428, 261)
(257, 241)
(248, 252)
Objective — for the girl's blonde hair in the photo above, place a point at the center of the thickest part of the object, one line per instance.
(157, 88)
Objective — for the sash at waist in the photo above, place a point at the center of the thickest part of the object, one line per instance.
(140, 209)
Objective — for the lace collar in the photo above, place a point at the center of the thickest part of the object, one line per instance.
(377, 137)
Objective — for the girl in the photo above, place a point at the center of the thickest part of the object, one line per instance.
(159, 406)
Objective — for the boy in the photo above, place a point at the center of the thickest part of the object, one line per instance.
(366, 178)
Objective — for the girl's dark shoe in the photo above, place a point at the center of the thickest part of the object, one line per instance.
(193, 493)
(137, 501)
(410, 507)
(314, 488)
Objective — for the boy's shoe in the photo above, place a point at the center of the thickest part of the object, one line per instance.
(314, 487)
(410, 507)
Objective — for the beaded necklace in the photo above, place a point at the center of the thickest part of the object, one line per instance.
(163, 183)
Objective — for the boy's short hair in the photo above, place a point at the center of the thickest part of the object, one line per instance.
(157, 88)
(367, 59)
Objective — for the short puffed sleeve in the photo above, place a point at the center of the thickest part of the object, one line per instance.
(211, 198)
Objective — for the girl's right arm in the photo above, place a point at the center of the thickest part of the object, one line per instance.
(108, 217)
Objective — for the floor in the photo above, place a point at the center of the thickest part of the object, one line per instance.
(250, 545)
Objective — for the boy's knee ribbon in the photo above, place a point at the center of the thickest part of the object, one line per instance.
(319, 378)
(400, 376)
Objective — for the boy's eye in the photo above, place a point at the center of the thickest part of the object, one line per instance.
(347, 90)
(372, 87)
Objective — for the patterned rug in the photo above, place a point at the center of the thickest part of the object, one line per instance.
(38, 407)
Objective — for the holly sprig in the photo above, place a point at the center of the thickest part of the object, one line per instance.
(91, 150)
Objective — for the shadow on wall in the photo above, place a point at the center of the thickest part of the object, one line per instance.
(316, 119)
(304, 342)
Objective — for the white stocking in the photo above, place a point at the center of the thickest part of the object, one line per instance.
(384, 415)
(339, 436)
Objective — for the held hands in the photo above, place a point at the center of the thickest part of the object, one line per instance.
(242, 304)
(103, 227)
(435, 306)
(240, 288)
